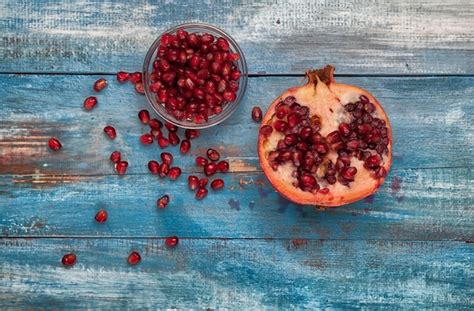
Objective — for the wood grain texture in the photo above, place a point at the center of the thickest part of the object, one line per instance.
(431, 120)
(237, 274)
(424, 204)
(376, 37)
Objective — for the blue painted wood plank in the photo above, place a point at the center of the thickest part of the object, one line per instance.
(237, 274)
(420, 204)
(431, 119)
(399, 37)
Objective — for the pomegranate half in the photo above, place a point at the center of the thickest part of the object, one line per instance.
(325, 143)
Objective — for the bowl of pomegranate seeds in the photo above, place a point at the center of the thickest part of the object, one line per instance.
(195, 75)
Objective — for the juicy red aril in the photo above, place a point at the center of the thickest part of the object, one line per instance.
(173, 138)
(223, 166)
(110, 131)
(69, 259)
(155, 124)
(321, 148)
(213, 155)
(115, 156)
(134, 258)
(280, 126)
(146, 139)
(171, 241)
(201, 193)
(100, 84)
(101, 216)
(135, 77)
(185, 146)
(174, 173)
(154, 167)
(164, 170)
(349, 172)
(171, 127)
(373, 161)
(203, 182)
(166, 157)
(54, 144)
(190, 134)
(217, 184)
(139, 88)
(266, 130)
(163, 201)
(193, 182)
(122, 76)
(121, 167)
(144, 116)
(257, 114)
(90, 102)
(380, 172)
(345, 129)
(163, 142)
(333, 137)
(201, 161)
(210, 168)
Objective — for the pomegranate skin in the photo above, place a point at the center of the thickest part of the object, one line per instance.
(325, 97)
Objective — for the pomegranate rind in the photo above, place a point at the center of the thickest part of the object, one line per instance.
(364, 184)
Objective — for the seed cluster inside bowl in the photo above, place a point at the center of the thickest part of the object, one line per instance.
(194, 75)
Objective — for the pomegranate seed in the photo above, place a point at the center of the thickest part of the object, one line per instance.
(185, 146)
(222, 44)
(201, 161)
(324, 191)
(163, 142)
(349, 172)
(139, 88)
(223, 166)
(146, 139)
(100, 84)
(135, 77)
(115, 156)
(144, 116)
(122, 76)
(54, 144)
(381, 172)
(280, 126)
(156, 86)
(69, 259)
(154, 167)
(155, 124)
(121, 167)
(373, 161)
(164, 170)
(257, 114)
(213, 155)
(193, 182)
(166, 157)
(321, 148)
(174, 173)
(191, 134)
(266, 130)
(210, 168)
(217, 184)
(345, 129)
(172, 241)
(363, 99)
(201, 193)
(110, 131)
(235, 75)
(333, 137)
(163, 201)
(233, 57)
(134, 258)
(101, 216)
(171, 127)
(90, 102)
(173, 138)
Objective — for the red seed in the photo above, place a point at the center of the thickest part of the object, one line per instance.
(257, 114)
(233, 56)
(171, 127)
(185, 146)
(201, 193)
(222, 44)
(217, 184)
(144, 116)
(349, 172)
(324, 191)
(163, 142)
(203, 182)
(100, 84)
(201, 161)
(134, 258)
(154, 167)
(235, 75)
(266, 130)
(174, 173)
(210, 168)
(54, 144)
(115, 156)
(212, 154)
(166, 157)
(121, 167)
(223, 166)
(146, 139)
(101, 216)
(191, 134)
(193, 182)
(173, 138)
(345, 129)
(139, 88)
(110, 131)
(69, 259)
(381, 172)
(90, 102)
(321, 148)
(155, 124)
(122, 76)
(163, 201)
(333, 137)
(373, 161)
(172, 241)
(135, 77)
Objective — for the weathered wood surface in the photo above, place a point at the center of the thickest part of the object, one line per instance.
(359, 37)
(237, 274)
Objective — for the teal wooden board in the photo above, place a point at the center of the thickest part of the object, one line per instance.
(431, 120)
(237, 274)
(374, 37)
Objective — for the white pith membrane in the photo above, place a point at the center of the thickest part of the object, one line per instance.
(327, 100)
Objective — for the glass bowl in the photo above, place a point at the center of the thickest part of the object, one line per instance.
(228, 108)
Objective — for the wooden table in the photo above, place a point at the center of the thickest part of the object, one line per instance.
(408, 246)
